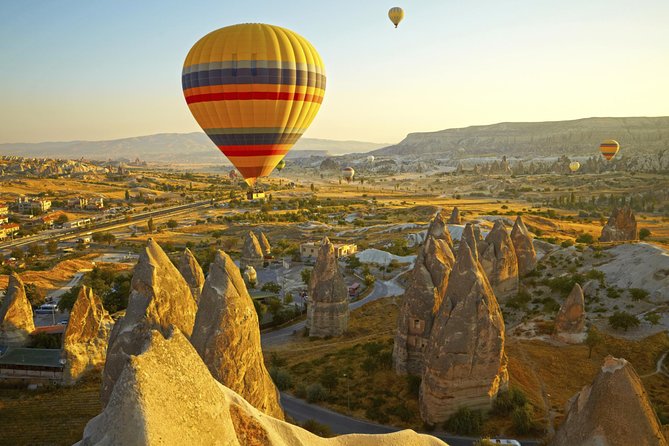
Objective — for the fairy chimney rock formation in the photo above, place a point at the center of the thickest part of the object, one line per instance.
(327, 305)
(620, 227)
(498, 259)
(523, 246)
(227, 337)
(159, 299)
(570, 320)
(86, 336)
(465, 361)
(438, 229)
(455, 217)
(252, 254)
(165, 396)
(264, 244)
(422, 299)
(16, 315)
(192, 272)
(613, 411)
(469, 237)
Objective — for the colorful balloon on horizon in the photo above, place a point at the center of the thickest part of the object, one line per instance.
(348, 173)
(396, 15)
(281, 165)
(574, 166)
(609, 149)
(254, 89)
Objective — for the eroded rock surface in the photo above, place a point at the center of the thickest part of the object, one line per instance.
(227, 337)
(252, 254)
(86, 336)
(498, 259)
(327, 305)
(264, 244)
(570, 320)
(465, 361)
(455, 217)
(613, 411)
(192, 272)
(620, 227)
(160, 299)
(16, 315)
(523, 247)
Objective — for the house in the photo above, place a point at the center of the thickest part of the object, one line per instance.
(4, 209)
(4, 219)
(95, 203)
(309, 250)
(78, 202)
(32, 365)
(50, 220)
(32, 205)
(255, 195)
(77, 223)
(6, 230)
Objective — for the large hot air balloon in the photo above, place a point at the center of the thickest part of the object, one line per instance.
(396, 14)
(574, 166)
(609, 149)
(281, 165)
(348, 173)
(254, 89)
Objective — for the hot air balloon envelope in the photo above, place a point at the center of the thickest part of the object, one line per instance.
(281, 165)
(254, 89)
(370, 159)
(574, 166)
(609, 149)
(396, 15)
(348, 173)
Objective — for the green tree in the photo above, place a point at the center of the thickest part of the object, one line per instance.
(624, 320)
(271, 287)
(465, 422)
(34, 295)
(306, 275)
(369, 280)
(127, 195)
(52, 246)
(644, 233)
(150, 226)
(62, 219)
(172, 224)
(592, 340)
(521, 418)
(68, 299)
(35, 250)
(18, 253)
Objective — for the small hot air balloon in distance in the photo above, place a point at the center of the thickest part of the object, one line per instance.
(609, 149)
(348, 173)
(370, 159)
(281, 165)
(396, 14)
(574, 166)
(233, 174)
(254, 89)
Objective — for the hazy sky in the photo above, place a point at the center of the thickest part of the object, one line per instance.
(109, 69)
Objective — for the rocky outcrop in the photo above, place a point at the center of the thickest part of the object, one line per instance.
(16, 315)
(264, 244)
(524, 247)
(570, 320)
(327, 301)
(438, 229)
(252, 254)
(166, 396)
(422, 299)
(620, 227)
(455, 217)
(470, 237)
(160, 299)
(465, 361)
(86, 336)
(499, 262)
(613, 411)
(192, 272)
(227, 337)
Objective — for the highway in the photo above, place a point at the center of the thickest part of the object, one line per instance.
(65, 234)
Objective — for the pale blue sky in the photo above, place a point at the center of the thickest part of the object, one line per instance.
(83, 69)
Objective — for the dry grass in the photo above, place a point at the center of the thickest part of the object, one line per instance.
(55, 277)
(55, 416)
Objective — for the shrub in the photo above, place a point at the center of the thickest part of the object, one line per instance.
(566, 243)
(644, 233)
(316, 392)
(624, 320)
(612, 292)
(520, 300)
(653, 318)
(507, 401)
(313, 426)
(585, 238)
(281, 378)
(638, 293)
(522, 419)
(271, 287)
(465, 422)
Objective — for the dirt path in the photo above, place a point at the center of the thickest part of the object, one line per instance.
(660, 367)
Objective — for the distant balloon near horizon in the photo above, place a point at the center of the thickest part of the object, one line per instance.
(370, 159)
(609, 149)
(348, 173)
(254, 89)
(396, 15)
(574, 166)
(281, 165)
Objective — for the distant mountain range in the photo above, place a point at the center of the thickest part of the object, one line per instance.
(191, 148)
(535, 139)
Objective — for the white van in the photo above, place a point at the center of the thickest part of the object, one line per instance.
(47, 309)
(507, 442)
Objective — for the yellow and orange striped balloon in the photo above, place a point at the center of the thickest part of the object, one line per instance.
(254, 89)
(609, 149)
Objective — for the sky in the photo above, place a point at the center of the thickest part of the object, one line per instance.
(95, 70)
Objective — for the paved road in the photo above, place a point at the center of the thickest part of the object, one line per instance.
(301, 411)
(382, 288)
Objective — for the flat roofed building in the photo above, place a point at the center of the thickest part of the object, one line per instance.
(32, 365)
(309, 250)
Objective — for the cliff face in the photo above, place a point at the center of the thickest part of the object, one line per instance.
(16, 315)
(498, 258)
(192, 272)
(620, 227)
(227, 337)
(524, 247)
